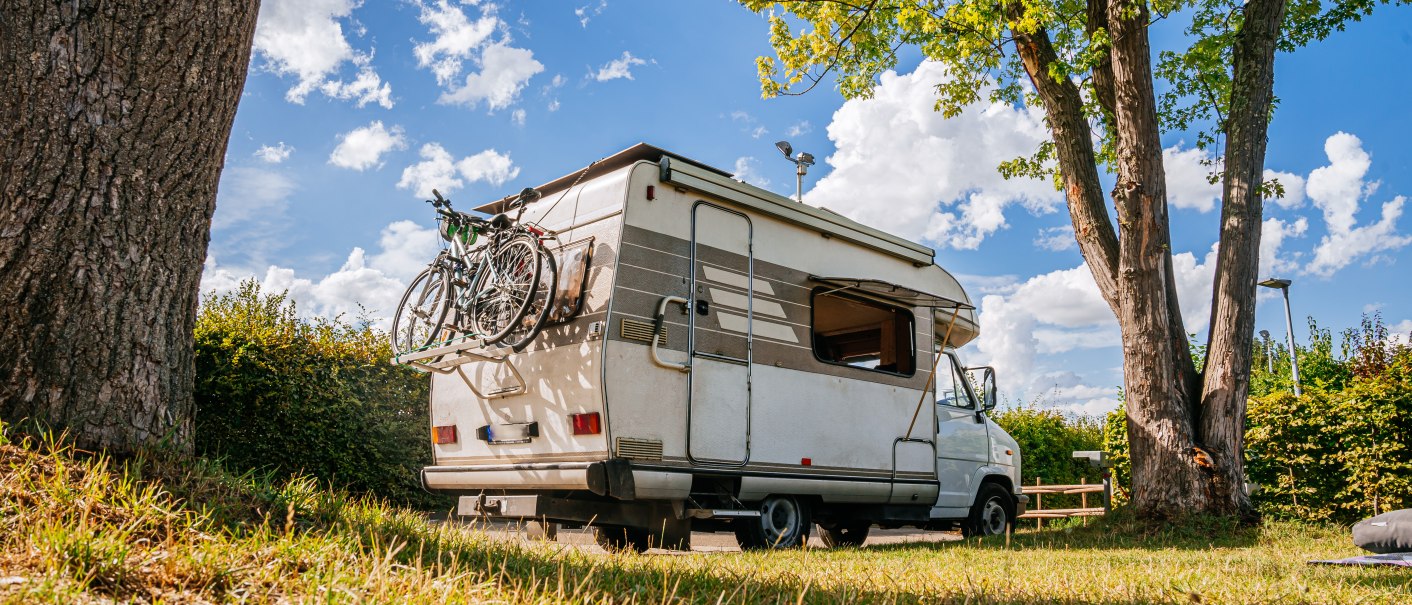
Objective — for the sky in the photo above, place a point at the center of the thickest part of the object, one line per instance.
(353, 112)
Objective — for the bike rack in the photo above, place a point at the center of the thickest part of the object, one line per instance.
(449, 356)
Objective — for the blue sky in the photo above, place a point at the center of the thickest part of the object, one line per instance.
(351, 112)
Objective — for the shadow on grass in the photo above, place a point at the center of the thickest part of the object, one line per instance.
(1117, 533)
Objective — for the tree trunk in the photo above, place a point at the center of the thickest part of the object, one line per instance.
(1167, 482)
(1073, 146)
(114, 118)
(1228, 356)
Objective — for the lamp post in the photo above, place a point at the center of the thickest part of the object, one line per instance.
(802, 162)
(1283, 286)
(1269, 359)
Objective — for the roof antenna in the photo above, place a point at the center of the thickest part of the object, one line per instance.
(802, 162)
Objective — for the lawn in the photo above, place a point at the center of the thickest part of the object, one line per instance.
(81, 528)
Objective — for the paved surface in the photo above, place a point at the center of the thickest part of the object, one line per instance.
(710, 542)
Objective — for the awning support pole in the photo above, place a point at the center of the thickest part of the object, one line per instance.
(932, 378)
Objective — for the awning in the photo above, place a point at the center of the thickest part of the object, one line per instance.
(891, 291)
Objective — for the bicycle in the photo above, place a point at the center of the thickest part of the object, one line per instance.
(500, 291)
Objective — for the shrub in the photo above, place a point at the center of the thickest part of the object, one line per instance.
(307, 396)
(1048, 440)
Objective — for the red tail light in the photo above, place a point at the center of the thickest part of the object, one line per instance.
(586, 424)
(532, 229)
(441, 435)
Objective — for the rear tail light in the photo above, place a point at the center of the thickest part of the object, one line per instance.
(441, 435)
(586, 424)
(536, 231)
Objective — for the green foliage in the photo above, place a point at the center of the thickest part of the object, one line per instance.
(307, 396)
(1343, 449)
(1115, 443)
(1048, 440)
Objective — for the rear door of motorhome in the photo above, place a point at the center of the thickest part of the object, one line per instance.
(722, 291)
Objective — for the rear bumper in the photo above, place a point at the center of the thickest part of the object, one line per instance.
(604, 478)
(1021, 505)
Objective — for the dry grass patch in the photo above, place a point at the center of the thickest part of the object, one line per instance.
(83, 528)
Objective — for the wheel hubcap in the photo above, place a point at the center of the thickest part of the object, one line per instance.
(779, 518)
(993, 519)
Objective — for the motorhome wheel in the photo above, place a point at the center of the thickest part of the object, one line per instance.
(783, 523)
(992, 513)
(621, 539)
(846, 533)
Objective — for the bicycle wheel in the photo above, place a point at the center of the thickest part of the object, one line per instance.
(504, 287)
(528, 326)
(419, 316)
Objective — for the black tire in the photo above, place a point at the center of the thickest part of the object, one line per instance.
(616, 538)
(421, 315)
(848, 533)
(502, 296)
(992, 514)
(540, 303)
(783, 523)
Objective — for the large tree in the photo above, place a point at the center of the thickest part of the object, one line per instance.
(114, 117)
(1088, 64)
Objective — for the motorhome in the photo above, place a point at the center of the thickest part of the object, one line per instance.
(723, 358)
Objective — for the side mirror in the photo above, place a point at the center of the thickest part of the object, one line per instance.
(987, 393)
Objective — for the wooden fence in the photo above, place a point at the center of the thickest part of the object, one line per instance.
(1037, 492)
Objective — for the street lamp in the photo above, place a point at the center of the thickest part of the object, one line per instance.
(1269, 359)
(1283, 286)
(802, 162)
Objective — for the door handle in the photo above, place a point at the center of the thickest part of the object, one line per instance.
(657, 331)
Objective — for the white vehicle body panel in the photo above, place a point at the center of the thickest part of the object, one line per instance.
(758, 404)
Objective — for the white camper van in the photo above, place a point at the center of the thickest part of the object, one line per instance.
(722, 358)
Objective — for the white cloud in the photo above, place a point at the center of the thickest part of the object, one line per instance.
(1273, 234)
(371, 284)
(485, 42)
(1293, 185)
(439, 170)
(456, 39)
(518, 117)
(1056, 239)
(490, 166)
(504, 72)
(1338, 190)
(1027, 328)
(274, 154)
(304, 39)
(368, 87)
(905, 169)
(586, 13)
(618, 68)
(799, 129)
(553, 105)
(1188, 184)
(362, 148)
(747, 170)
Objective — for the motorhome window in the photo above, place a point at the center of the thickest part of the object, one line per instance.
(573, 260)
(950, 386)
(864, 334)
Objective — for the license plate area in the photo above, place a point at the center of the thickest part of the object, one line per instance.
(504, 434)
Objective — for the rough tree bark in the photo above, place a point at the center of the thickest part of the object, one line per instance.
(114, 118)
(1228, 353)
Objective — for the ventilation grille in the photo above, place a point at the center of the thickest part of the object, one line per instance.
(641, 331)
(640, 449)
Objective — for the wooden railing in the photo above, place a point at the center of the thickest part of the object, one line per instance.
(1037, 492)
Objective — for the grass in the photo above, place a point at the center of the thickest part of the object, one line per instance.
(78, 528)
